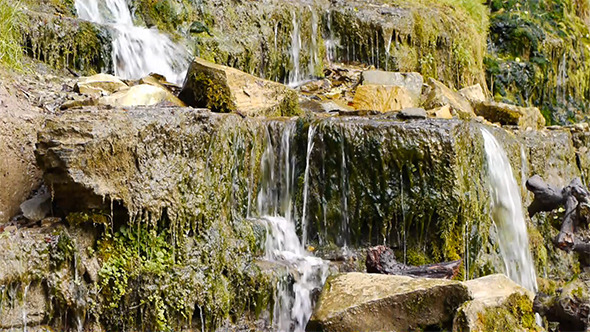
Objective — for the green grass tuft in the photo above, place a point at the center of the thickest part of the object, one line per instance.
(11, 53)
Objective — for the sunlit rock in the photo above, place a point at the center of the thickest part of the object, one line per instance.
(225, 89)
(375, 302)
(382, 98)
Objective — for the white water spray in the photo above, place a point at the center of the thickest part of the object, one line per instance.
(507, 214)
(137, 51)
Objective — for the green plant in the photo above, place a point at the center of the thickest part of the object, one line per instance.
(11, 53)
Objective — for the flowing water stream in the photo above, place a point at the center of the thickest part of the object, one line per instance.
(294, 297)
(137, 51)
(508, 217)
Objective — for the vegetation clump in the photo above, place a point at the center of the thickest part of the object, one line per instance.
(539, 56)
(11, 17)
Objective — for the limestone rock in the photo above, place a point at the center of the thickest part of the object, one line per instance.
(382, 98)
(440, 95)
(141, 95)
(99, 84)
(225, 89)
(37, 207)
(411, 81)
(498, 304)
(473, 93)
(506, 114)
(375, 302)
(412, 113)
(443, 112)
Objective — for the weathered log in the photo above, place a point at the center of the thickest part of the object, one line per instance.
(548, 198)
(381, 259)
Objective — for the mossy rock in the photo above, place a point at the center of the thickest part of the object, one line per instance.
(224, 89)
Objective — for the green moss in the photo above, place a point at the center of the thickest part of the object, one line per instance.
(62, 42)
(515, 315)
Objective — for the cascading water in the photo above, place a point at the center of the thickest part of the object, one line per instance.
(137, 51)
(507, 214)
(293, 304)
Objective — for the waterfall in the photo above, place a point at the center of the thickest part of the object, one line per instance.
(137, 51)
(507, 215)
(293, 300)
(295, 74)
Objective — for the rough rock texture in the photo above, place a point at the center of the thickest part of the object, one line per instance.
(383, 98)
(373, 302)
(411, 81)
(224, 89)
(440, 95)
(495, 296)
(18, 173)
(510, 114)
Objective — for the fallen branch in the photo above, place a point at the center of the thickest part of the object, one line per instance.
(381, 259)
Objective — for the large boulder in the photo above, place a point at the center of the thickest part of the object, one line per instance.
(507, 114)
(440, 95)
(411, 81)
(224, 89)
(382, 98)
(374, 302)
(498, 304)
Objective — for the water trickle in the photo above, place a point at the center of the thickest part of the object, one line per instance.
(310, 136)
(313, 51)
(137, 51)
(387, 36)
(344, 192)
(295, 74)
(25, 307)
(329, 40)
(507, 215)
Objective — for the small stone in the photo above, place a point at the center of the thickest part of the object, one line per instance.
(412, 113)
(443, 112)
(37, 207)
(473, 93)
